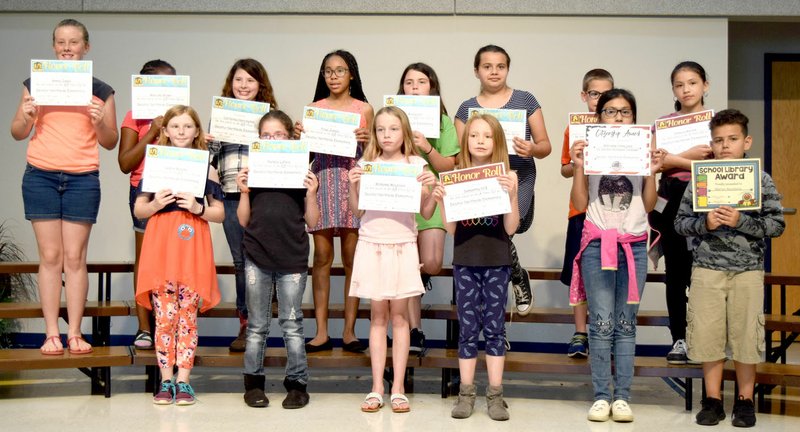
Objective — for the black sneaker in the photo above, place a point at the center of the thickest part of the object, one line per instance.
(744, 413)
(677, 354)
(417, 341)
(523, 297)
(712, 412)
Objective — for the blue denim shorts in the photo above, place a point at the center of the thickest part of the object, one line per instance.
(60, 195)
(138, 224)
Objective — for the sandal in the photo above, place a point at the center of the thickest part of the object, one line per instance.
(52, 340)
(372, 403)
(143, 340)
(398, 399)
(78, 351)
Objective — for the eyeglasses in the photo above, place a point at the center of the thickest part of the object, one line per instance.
(593, 94)
(275, 136)
(612, 112)
(327, 73)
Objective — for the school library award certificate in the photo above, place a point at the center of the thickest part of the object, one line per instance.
(236, 120)
(474, 192)
(617, 150)
(153, 95)
(330, 131)
(61, 82)
(512, 121)
(390, 187)
(577, 125)
(728, 182)
(678, 134)
(424, 112)
(277, 164)
(175, 168)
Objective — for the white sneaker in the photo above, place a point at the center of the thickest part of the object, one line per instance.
(600, 411)
(621, 412)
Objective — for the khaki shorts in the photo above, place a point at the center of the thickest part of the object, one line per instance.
(726, 311)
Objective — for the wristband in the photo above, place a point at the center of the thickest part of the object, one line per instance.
(429, 151)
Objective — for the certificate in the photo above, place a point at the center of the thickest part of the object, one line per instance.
(577, 125)
(617, 150)
(512, 121)
(424, 112)
(236, 120)
(277, 164)
(474, 192)
(176, 168)
(61, 82)
(390, 187)
(728, 182)
(330, 131)
(678, 134)
(153, 95)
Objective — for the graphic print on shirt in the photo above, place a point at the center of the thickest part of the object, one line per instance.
(615, 194)
(489, 221)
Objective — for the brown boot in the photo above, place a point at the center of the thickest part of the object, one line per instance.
(494, 401)
(240, 343)
(466, 402)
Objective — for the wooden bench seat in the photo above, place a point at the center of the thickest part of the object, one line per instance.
(273, 357)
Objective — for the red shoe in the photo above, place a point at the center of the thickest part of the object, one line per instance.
(52, 340)
(78, 351)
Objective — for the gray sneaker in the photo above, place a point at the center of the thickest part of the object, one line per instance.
(677, 355)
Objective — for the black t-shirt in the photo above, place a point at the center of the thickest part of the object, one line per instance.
(276, 238)
(482, 242)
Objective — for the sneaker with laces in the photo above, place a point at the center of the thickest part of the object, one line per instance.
(621, 411)
(523, 297)
(712, 412)
(166, 394)
(744, 413)
(677, 354)
(600, 411)
(417, 341)
(184, 394)
(578, 346)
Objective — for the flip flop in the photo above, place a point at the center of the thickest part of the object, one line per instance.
(78, 351)
(52, 340)
(398, 399)
(370, 401)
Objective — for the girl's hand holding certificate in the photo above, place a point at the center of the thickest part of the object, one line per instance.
(311, 183)
(186, 201)
(241, 180)
(162, 198)
(523, 148)
(29, 109)
(427, 178)
(509, 182)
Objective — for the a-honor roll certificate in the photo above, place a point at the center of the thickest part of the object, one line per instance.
(512, 121)
(617, 150)
(330, 131)
(236, 120)
(474, 192)
(175, 168)
(424, 112)
(678, 134)
(61, 82)
(153, 95)
(577, 125)
(277, 164)
(728, 182)
(390, 187)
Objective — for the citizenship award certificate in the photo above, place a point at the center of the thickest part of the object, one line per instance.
(512, 121)
(176, 168)
(474, 192)
(726, 182)
(424, 112)
(617, 150)
(390, 187)
(678, 134)
(277, 164)
(236, 120)
(330, 131)
(61, 82)
(153, 95)
(577, 125)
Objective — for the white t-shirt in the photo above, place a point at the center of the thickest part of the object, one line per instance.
(615, 202)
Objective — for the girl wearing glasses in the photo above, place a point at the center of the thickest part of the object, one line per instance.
(611, 266)
(338, 88)
(247, 80)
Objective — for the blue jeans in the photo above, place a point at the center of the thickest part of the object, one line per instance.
(289, 288)
(234, 234)
(612, 321)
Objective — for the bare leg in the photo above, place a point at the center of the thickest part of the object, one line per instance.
(379, 322)
(51, 262)
(142, 313)
(349, 239)
(580, 311)
(466, 368)
(321, 282)
(494, 366)
(400, 342)
(712, 373)
(745, 378)
(75, 237)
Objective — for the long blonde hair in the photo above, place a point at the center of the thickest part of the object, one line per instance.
(408, 149)
(499, 151)
(199, 141)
